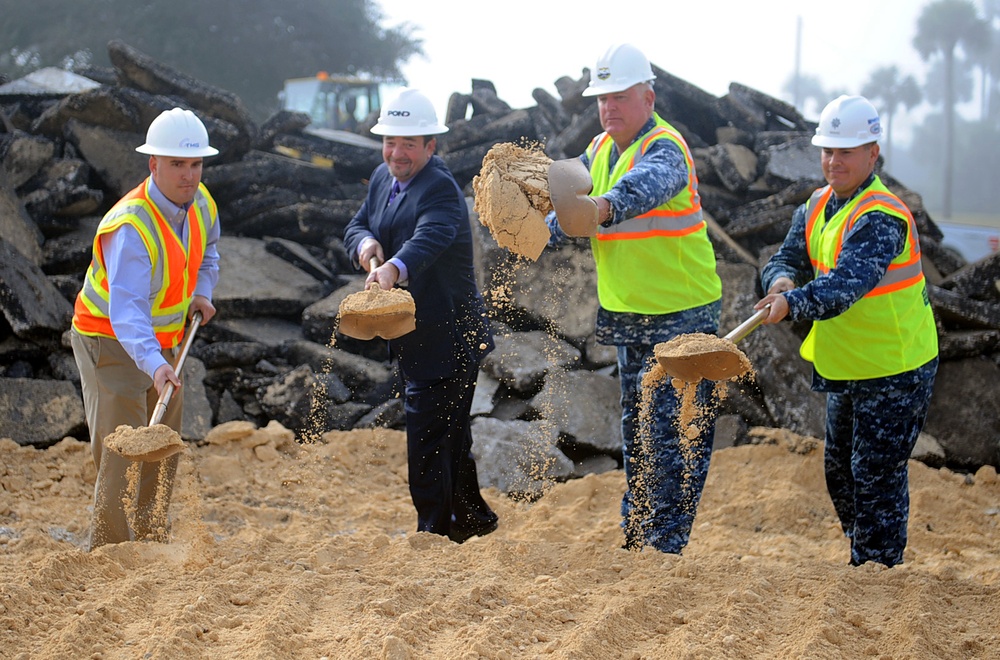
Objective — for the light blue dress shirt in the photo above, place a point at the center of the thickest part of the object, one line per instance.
(129, 271)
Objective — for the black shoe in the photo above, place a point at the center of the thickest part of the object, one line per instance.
(459, 535)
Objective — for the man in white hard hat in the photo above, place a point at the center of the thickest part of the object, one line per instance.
(415, 222)
(154, 264)
(656, 279)
(851, 264)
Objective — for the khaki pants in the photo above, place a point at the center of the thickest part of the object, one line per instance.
(116, 392)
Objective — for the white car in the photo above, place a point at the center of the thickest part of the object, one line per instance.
(972, 242)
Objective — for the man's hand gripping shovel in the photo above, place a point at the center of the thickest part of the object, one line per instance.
(155, 442)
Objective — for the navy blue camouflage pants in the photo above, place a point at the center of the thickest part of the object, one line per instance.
(664, 469)
(869, 438)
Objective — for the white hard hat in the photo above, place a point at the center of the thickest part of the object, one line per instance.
(847, 121)
(177, 133)
(620, 67)
(409, 114)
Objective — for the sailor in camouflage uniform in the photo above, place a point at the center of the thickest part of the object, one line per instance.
(851, 264)
(656, 280)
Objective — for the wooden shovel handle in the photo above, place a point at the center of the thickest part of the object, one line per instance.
(168, 390)
(373, 263)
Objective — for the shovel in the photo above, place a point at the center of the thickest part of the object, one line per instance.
(155, 442)
(377, 313)
(712, 359)
(569, 188)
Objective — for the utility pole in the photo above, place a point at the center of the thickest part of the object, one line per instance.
(796, 81)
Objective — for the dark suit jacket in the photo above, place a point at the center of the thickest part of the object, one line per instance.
(427, 228)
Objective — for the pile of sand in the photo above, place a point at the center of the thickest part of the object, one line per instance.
(281, 550)
(512, 197)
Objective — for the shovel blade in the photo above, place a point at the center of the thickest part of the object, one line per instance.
(711, 365)
(147, 444)
(376, 313)
(386, 326)
(696, 356)
(569, 187)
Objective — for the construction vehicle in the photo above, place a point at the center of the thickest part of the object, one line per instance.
(337, 106)
(333, 102)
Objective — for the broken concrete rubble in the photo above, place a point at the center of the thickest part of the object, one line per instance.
(286, 194)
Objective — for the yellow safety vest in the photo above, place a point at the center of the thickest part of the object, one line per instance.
(891, 329)
(659, 262)
(174, 268)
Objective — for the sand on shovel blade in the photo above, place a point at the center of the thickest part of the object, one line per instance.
(512, 197)
(377, 312)
(145, 443)
(694, 356)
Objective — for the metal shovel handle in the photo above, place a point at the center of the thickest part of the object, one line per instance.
(748, 326)
(168, 390)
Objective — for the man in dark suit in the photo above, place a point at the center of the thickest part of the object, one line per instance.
(415, 222)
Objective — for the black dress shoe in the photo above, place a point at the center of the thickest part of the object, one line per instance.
(459, 535)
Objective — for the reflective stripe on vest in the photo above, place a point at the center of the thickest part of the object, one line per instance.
(661, 261)
(678, 216)
(905, 269)
(174, 268)
(891, 329)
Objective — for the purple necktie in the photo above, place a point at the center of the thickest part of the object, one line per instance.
(393, 192)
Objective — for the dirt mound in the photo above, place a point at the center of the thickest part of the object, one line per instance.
(288, 550)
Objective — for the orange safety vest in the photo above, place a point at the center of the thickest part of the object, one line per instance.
(174, 268)
(889, 331)
(659, 262)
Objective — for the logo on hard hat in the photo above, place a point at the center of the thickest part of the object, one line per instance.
(874, 126)
(604, 73)
(835, 123)
(188, 144)
(397, 113)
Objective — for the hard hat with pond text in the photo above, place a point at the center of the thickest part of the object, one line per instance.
(177, 133)
(847, 121)
(620, 67)
(409, 114)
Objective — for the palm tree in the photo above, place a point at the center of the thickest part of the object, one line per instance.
(991, 67)
(989, 61)
(942, 27)
(887, 86)
(963, 85)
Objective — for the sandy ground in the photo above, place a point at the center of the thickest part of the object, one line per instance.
(288, 551)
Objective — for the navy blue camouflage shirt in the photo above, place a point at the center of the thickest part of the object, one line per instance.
(660, 174)
(875, 240)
